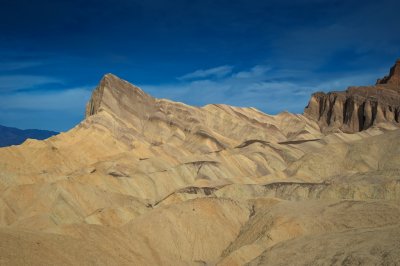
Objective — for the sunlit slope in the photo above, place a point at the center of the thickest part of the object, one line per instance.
(149, 181)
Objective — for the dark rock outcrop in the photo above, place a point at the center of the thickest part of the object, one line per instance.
(394, 76)
(358, 108)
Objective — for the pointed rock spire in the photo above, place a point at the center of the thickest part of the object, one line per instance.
(119, 97)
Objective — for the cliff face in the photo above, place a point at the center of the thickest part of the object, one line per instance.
(358, 108)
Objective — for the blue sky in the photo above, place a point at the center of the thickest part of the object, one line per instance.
(267, 54)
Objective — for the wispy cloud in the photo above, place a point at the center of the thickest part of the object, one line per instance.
(254, 87)
(256, 71)
(17, 65)
(9, 83)
(72, 99)
(217, 72)
(57, 110)
(268, 89)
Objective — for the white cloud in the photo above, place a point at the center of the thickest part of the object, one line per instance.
(10, 83)
(270, 90)
(217, 72)
(253, 87)
(341, 83)
(73, 100)
(256, 71)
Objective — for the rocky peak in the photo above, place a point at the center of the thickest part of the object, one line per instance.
(394, 76)
(358, 108)
(119, 97)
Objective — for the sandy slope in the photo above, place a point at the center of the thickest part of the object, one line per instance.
(145, 181)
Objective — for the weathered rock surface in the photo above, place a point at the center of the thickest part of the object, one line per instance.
(358, 108)
(146, 181)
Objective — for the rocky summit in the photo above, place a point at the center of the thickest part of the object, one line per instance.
(147, 181)
(393, 79)
(358, 108)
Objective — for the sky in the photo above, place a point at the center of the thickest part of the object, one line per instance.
(270, 55)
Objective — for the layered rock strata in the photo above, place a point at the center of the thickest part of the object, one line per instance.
(358, 108)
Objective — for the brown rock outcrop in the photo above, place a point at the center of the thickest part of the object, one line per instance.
(358, 108)
(394, 76)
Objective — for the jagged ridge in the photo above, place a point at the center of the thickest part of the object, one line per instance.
(358, 108)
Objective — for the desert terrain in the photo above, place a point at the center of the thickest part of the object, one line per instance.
(147, 181)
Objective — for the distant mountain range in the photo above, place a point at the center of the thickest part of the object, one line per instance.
(14, 136)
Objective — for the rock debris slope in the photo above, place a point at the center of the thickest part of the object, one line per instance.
(146, 181)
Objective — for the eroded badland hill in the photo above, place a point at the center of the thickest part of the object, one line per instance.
(146, 181)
